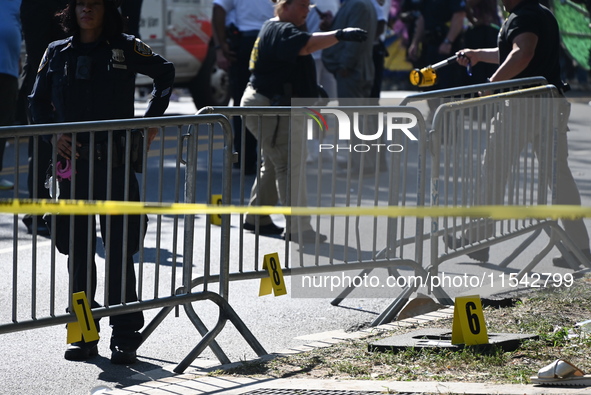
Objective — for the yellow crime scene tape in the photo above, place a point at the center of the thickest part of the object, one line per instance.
(84, 207)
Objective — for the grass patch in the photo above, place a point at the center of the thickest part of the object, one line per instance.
(550, 313)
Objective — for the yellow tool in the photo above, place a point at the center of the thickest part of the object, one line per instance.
(427, 76)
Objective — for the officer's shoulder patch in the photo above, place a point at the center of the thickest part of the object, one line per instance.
(142, 48)
(44, 60)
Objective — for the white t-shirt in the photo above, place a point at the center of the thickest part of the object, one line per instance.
(248, 14)
(382, 11)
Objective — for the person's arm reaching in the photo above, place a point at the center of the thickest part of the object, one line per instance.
(321, 40)
(522, 52)
(474, 56)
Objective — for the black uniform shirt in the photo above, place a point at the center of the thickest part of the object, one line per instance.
(89, 82)
(275, 61)
(531, 17)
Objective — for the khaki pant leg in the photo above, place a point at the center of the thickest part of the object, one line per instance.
(264, 189)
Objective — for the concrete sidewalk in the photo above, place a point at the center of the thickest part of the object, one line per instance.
(201, 383)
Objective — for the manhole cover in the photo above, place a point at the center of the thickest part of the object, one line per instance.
(441, 338)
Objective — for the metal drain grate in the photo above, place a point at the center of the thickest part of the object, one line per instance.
(264, 391)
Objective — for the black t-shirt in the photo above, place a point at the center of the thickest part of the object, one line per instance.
(531, 17)
(276, 67)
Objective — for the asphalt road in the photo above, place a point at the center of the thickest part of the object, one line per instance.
(33, 360)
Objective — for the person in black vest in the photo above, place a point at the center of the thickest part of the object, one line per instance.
(87, 77)
(282, 68)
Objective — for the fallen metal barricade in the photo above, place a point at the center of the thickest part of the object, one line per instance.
(41, 283)
(497, 150)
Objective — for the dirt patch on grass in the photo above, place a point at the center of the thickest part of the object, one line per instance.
(551, 313)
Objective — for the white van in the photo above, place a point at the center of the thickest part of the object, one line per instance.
(180, 31)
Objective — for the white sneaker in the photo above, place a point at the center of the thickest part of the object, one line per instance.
(5, 184)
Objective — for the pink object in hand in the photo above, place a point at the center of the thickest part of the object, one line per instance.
(64, 171)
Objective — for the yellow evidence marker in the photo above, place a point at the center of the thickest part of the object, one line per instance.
(468, 325)
(84, 327)
(274, 282)
(216, 219)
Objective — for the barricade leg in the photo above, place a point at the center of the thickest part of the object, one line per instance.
(526, 243)
(215, 347)
(392, 311)
(566, 245)
(226, 313)
(336, 301)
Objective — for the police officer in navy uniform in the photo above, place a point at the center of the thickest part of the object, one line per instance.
(90, 76)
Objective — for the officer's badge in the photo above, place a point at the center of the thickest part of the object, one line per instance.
(118, 55)
(141, 48)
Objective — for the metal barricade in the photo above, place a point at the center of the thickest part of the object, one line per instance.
(397, 177)
(41, 282)
(360, 243)
(386, 187)
(500, 150)
(442, 96)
